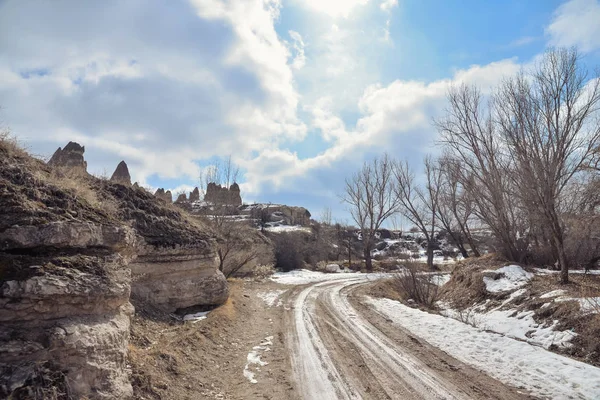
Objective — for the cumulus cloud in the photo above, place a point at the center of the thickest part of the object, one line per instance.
(162, 88)
(576, 23)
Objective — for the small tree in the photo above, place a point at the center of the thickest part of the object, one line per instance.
(370, 194)
(420, 204)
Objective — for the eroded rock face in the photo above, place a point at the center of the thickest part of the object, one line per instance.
(194, 195)
(164, 196)
(178, 277)
(64, 289)
(71, 157)
(65, 276)
(182, 198)
(121, 174)
(176, 263)
(217, 194)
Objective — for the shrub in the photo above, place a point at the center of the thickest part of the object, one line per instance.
(416, 285)
(288, 251)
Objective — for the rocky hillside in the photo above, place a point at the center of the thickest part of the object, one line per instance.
(72, 250)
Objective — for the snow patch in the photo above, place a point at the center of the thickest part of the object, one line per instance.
(288, 228)
(270, 298)
(193, 318)
(545, 374)
(253, 360)
(440, 280)
(554, 293)
(510, 277)
(303, 276)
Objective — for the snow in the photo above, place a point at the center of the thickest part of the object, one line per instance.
(303, 276)
(440, 280)
(270, 298)
(287, 228)
(193, 318)
(587, 305)
(554, 293)
(253, 360)
(543, 373)
(516, 325)
(510, 277)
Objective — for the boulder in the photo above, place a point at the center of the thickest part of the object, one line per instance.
(121, 174)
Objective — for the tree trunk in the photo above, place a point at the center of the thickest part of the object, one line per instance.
(429, 256)
(559, 248)
(368, 261)
(474, 249)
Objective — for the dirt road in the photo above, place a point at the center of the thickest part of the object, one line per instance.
(316, 341)
(341, 349)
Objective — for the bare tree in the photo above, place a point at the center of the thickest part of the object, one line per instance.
(326, 216)
(469, 133)
(545, 119)
(455, 207)
(370, 194)
(420, 204)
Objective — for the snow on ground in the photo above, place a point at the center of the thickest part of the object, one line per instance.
(193, 318)
(303, 276)
(514, 324)
(554, 293)
(571, 271)
(270, 298)
(511, 277)
(440, 279)
(253, 361)
(287, 228)
(545, 374)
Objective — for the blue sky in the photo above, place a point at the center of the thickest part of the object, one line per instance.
(298, 92)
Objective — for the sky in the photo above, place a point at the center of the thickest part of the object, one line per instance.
(298, 92)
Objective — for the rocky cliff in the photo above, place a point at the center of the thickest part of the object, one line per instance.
(64, 289)
(217, 194)
(175, 265)
(73, 248)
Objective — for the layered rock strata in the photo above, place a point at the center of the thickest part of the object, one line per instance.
(176, 263)
(64, 290)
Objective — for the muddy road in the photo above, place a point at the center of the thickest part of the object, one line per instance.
(341, 349)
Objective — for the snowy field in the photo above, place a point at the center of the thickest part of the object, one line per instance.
(515, 362)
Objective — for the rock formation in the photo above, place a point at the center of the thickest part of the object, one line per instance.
(71, 158)
(67, 269)
(64, 292)
(182, 198)
(165, 196)
(217, 194)
(194, 195)
(121, 174)
(176, 264)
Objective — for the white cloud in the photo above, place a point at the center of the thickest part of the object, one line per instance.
(391, 117)
(576, 23)
(160, 89)
(387, 5)
(334, 8)
(298, 45)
